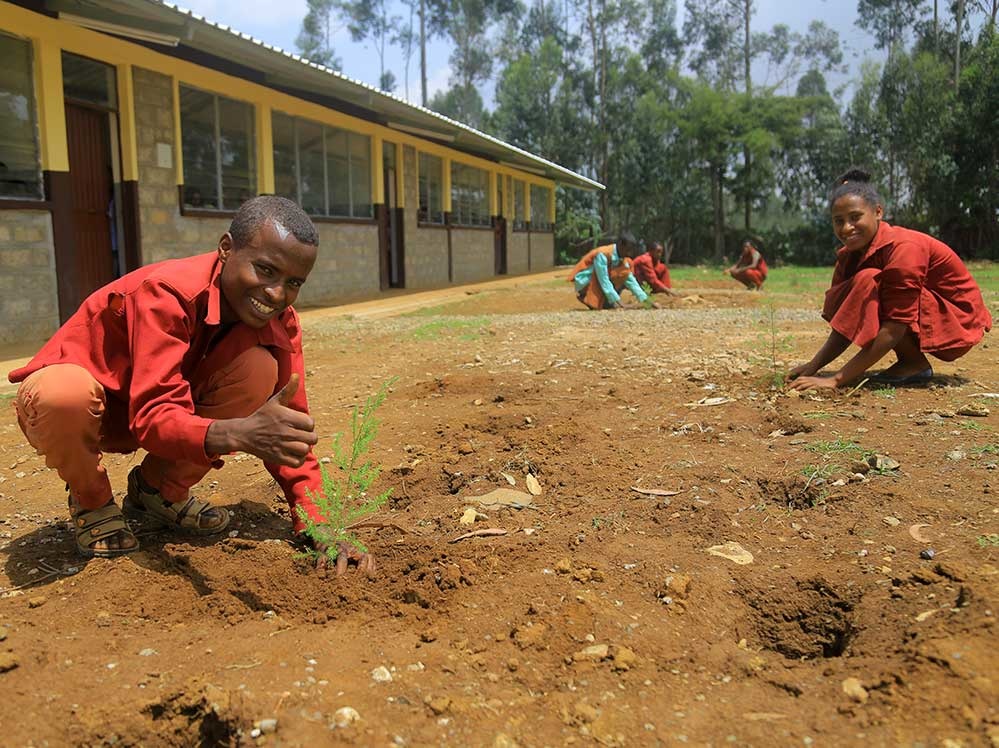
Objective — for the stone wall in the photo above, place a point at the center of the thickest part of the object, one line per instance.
(346, 267)
(472, 255)
(166, 234)
(425, 248)
(516, 252)
(29, 298)
(542, 250)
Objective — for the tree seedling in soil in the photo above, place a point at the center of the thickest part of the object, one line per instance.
(342, 501)
(770, 343)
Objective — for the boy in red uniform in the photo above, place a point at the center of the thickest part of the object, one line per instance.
(893, 289)
(189, 359)
(751, 269)
(650, 268)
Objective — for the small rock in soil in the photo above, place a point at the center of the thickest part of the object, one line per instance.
(891, 521)
(438, 704)
(927, 554)
(883, 462)
(381, 674)
(592, 653)
(7, 661)
(855, 690)
(733, 552)
(955, 455)
(36, 602)
(532, 485)
(345, 716)
(976, 411)
(267, 725)
(624, 659)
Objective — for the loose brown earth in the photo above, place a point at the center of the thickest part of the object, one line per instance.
(486, 639)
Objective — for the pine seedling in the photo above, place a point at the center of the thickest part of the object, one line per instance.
(342, 500)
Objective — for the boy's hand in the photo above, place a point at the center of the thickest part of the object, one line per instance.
(275, 433)
(346, 555)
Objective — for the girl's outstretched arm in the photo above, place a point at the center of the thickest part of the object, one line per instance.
(834, 346)
(889, 336)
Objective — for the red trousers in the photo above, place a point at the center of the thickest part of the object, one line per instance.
(750, 277)
(67, 417)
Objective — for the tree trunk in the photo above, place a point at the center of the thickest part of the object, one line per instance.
(936, 29)
(957, 46)
(746, 155)
(719, 211)
(423, 52)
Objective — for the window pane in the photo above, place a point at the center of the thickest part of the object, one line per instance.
(84, 79)
(519, 220)
(239, 175)
(360, 175)
(540, 202)
(310, 167)
(285, 180)
(337, 172)
(431, 197)
(197, 124)
(20, 167)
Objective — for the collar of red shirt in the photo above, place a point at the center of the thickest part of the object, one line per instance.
(274, 334)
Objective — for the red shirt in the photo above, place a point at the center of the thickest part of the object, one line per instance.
(144, 335)
(923, 284)
(648, 271)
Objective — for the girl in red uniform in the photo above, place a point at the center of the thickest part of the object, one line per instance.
(751, 269)
(893, 289)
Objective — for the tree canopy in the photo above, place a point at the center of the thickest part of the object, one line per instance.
(717, 130)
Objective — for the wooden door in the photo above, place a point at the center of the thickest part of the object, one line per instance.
(89, 263)
(499, 245)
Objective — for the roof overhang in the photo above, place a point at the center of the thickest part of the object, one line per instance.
(181, 32)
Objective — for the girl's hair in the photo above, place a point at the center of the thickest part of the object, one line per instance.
(626, 241)
(855, 182)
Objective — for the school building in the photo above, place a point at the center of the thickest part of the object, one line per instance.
(130, 130)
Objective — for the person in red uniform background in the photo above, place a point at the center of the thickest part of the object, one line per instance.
(893, 289)
(189, 359)
(751, 268)
(650, 268)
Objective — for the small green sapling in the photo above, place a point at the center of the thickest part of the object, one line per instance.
(341, 501)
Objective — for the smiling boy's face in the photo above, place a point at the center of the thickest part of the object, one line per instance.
(262, 278)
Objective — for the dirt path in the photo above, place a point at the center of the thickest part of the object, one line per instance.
(601, 617)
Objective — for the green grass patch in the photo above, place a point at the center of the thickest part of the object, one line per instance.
(987, 449)
(988, 541)
(887, 392)
(972, 426)
(839, 447)
(469, 329)
(819, 471)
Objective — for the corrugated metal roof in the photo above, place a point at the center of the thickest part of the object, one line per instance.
(287, 70)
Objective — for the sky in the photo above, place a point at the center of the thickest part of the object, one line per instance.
(278, 23)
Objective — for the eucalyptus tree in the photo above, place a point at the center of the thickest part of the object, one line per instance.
(315, 39)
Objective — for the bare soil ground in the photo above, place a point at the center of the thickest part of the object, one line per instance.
(601, 617)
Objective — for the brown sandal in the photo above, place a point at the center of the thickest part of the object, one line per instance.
(95, 525)
(184, 516)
